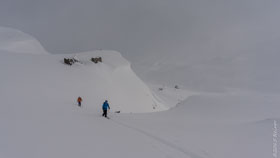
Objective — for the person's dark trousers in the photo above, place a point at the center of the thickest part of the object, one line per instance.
(104, 113)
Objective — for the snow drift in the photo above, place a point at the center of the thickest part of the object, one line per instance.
(39, 116)
(48, 78)
(16, 41)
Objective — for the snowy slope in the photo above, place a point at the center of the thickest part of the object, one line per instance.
(213, 126)
(39, 116)
(15, 41)
(47, 78)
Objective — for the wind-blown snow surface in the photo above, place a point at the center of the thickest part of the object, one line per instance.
(15, 41)
(39, 116)
(46, 78)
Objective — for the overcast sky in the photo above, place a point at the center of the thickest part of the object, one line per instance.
(137, 28)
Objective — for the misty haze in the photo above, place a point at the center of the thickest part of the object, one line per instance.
(149, 78)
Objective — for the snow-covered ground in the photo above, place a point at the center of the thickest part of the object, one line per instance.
(39, 116)
(15, 41)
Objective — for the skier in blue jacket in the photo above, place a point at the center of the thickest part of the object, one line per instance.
(105, 107)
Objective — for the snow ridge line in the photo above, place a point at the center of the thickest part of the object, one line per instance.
(158, 139)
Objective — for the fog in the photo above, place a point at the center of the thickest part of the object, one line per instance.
(142, 27)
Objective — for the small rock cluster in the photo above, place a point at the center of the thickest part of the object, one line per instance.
(96, 60)
(71, 61)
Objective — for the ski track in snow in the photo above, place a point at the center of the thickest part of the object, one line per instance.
(160, 140)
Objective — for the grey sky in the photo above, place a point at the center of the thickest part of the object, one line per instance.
(137, 28)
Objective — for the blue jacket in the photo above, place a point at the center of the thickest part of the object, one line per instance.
(105, 105)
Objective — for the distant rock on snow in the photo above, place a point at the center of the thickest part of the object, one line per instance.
(15, 41)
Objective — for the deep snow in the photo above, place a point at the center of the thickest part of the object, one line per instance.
(39, 116)
(16, 41)
(47, 78)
